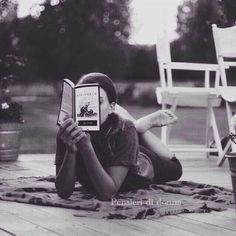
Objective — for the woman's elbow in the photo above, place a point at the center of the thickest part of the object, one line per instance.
(107, 195)
(64, 192)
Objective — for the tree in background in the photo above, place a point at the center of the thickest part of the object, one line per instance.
(9, 60)
(69, 38)
(194, 19)
(142, 63)
(7, 14)
(194, 29)
(229, 7)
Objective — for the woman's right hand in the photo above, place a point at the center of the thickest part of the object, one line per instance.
(70, 133)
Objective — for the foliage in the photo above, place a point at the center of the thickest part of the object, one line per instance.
(194, 29)
(142, 63)
(9, 111)
(8, 10)
(229, 7)
(75, 37)
(9, 64)
(195, 18)
(3, 5)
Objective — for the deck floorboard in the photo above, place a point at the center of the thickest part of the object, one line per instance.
(24, 219)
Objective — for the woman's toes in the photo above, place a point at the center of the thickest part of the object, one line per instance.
(162, 118)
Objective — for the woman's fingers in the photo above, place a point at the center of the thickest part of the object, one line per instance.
(67, 129)
(75, 133)
(74, 136)
(66, 123)
(70, 132)
(78, 137)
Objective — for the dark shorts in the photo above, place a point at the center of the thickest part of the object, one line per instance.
(165, 169)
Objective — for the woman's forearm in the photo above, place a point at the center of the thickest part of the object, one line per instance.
(66, 174)
(101, 180)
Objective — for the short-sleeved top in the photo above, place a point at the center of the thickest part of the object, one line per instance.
(116, 144)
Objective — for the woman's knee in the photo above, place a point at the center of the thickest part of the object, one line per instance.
(178, 170)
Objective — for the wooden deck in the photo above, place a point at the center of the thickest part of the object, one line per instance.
(23, 219)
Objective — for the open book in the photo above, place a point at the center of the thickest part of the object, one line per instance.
(81, 102)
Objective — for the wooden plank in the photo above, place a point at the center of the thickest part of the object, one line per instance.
(156, 227)
(4, 232)
(29, 167)
(20, 227)
(230, 213)
(61, 221)
(104, 226)
(200, 228)
(38, 168)
(130, 225)
(114, 227)
(219, 221)
(32, 214)
(6, 174)
(28, 157)
(66, 224)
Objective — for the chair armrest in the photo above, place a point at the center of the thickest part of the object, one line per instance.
(229, 64)
(192, 66)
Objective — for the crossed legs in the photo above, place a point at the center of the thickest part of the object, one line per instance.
(148, 139)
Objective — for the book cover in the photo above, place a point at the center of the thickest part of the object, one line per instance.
(82, 103)
(66, 107)
(87, 107)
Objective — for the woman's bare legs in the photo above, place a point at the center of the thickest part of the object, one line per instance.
(156, 119)
(148, 139)
(153, 143)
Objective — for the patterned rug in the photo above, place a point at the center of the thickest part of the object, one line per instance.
(158, 200)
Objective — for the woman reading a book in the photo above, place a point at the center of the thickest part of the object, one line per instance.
(122, 156)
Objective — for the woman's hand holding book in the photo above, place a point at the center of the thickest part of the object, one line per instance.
(72, 135)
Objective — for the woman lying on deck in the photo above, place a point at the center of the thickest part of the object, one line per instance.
(122, 156)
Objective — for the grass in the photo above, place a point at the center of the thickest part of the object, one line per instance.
(40, 129)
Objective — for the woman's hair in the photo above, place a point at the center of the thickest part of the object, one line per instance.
(104, 82)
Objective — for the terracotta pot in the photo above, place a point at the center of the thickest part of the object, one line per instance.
(232, 165)
(10, 137)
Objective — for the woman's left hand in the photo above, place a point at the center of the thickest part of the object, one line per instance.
(84, 140)
(70, 133)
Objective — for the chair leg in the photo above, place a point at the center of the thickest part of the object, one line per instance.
(222, 156)
(216, 133)
(229, 114)
(208, 128)
(231, 124)
(164, 129)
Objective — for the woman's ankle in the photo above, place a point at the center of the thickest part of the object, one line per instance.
(156, 119)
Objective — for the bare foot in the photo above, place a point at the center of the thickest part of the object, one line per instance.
(157, 119)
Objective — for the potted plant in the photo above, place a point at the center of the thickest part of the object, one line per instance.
(11, 119)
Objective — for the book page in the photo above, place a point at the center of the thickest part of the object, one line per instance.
(66, 102)
(87, 107)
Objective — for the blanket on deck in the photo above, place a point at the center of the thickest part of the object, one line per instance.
(158, 200)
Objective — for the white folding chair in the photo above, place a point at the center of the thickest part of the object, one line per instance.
(225, 45)
(170, 94)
